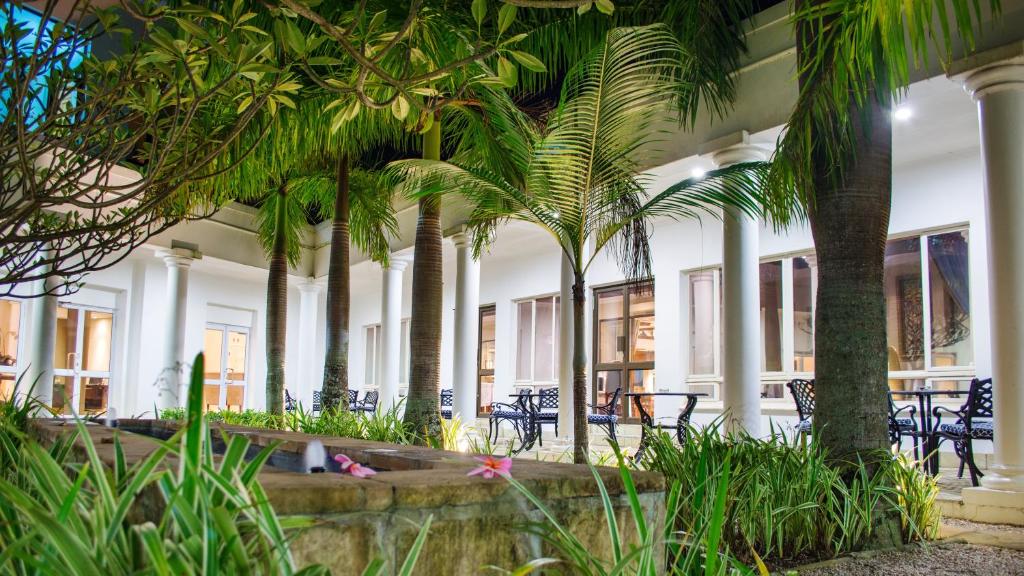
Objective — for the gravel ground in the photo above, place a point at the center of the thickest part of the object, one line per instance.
(935, 560)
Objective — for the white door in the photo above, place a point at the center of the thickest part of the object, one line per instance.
(225, 351)
(81, 359)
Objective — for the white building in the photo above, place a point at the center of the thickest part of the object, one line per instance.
(114, 335)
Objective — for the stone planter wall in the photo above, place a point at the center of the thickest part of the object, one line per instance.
(476, 522)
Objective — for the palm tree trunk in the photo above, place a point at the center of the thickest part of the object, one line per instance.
(581, 443)
(422, 410)
(335, 385)
(850, 222)
(277, 309)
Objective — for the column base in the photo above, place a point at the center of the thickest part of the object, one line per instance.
(1004, 478)
(984, 504)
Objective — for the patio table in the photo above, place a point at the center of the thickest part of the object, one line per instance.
(930, 461)
(531, 433)
(647, 423)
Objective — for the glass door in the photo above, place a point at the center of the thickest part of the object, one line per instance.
(624, 345)
(485, 361)
(81, 359)
(225, 351)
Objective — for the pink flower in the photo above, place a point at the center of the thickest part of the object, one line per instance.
(354, 468)
(491, 466)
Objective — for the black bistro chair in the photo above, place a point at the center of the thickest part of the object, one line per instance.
(517, 414)
(547, 411)
(803, 395)
(317, 402)
(353, 397)
(604, 415)
(369, 403)
(289, 401)
(973, 422)
(900, 426)
(446, 404)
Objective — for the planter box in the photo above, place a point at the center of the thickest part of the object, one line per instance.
(476, 522)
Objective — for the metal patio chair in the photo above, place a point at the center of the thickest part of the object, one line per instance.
(973, 422)
(547, 411)
(369, 403)
(446, 404)
(604, 415)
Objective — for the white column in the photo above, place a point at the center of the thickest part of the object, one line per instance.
(741, 370)
(39, 372)
(173, 382)
(308, 376)
(467, 312)
(391, 332)
(565, 344)
(999, 91)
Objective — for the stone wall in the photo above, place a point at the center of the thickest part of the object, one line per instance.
(475, 522)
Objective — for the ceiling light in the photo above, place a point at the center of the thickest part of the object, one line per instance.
(902, 113)
(697, 172)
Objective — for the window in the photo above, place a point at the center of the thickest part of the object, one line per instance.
(805, 284)
(372, 375)
(537, 326)
(226, 349)
(624, 333)
(81, 359)
(927, 305)
(928, 316)
(485, 360)
(10, 324)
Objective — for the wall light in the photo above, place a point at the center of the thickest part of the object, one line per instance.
(903, 113)
(697, 172)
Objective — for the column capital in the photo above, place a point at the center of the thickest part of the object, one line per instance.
(732, 149)
(999, 77)
(396, 264)
(461, 239)
(178, 257)
(995, 70)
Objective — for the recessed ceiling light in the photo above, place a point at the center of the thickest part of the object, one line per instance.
(697, 172)
(903, 113)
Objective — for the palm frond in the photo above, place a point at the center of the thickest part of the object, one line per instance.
(271, 225)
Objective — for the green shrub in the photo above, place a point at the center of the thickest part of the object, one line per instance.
(785, 501)
(192, 514)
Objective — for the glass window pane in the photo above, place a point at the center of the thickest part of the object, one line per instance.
(486, 394)
(370, 366)
(234, 397)
(487, 340)
(65, 352)
(237, 346)
(903, 308)
(403, 367)
(803, 314)
(7, 382)
(640, 381)
(950, 300)
(771, 316)
(544, 340)
(641, 324)
(93, 396)
(63, 388)
(97, 339)
(211, 397)
(10, 322)
(608, 381)
(524, 337)
(702, 322)
(611, 340)
(213, 348)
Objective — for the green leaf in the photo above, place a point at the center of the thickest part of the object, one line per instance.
(507, 72)
(528, 61)
(324, 61)
(400, 108)
(479, 9)
(584, 8)
(506, 16)
(605, 6)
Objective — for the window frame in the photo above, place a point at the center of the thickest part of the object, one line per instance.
(929, 374)
(555, 325)
(628, 365)
(481, 372)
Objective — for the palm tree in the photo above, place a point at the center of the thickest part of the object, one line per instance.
(834, 165)
(578, 177)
